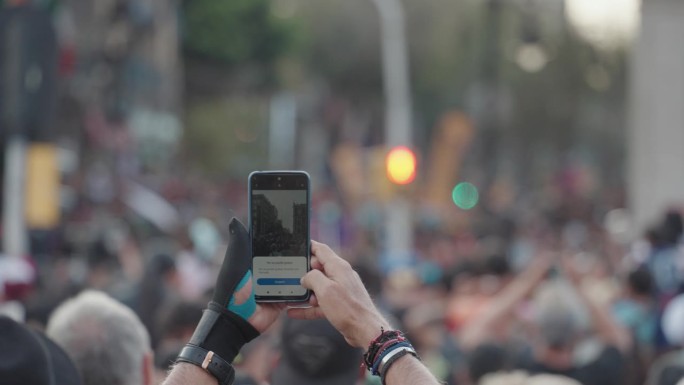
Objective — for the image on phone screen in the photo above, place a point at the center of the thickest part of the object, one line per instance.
(280, 231)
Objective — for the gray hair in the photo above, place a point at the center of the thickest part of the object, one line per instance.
(104, 338)
(559, 314)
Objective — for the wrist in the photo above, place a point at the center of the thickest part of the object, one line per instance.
(211, 363)
(216, 341)
(222, 332)
(187, 373)
(386, 349)
(400, 361)
(370, 330)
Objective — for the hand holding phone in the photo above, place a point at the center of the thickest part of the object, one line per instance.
(279, 204)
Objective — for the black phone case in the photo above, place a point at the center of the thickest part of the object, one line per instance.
(278, 299)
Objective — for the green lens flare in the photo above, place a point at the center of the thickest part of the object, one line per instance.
(465, 195)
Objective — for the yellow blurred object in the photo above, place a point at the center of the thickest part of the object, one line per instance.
(42, 187)
(401, 165)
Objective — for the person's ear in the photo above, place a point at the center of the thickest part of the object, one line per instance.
(148, 369)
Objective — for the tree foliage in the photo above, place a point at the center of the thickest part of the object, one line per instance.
(234, 32)
(227, 136)
(461, 55)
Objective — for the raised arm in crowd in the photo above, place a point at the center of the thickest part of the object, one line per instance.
(233, 318)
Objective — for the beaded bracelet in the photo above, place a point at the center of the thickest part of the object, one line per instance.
(376, 346)
(385, 347)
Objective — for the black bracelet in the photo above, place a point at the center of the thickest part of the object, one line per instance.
(207, 360)
(375, 347)
(392, 357)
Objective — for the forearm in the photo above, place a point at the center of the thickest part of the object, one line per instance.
(184, 373)
(606, 326)
(408, 370)
(501, 307)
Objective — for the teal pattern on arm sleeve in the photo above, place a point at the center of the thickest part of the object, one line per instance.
(246, 309)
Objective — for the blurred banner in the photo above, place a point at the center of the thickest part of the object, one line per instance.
(346, 162)
(454, 134)
(42, 187)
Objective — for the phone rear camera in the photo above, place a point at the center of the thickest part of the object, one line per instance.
(279, 185)
(279, 178)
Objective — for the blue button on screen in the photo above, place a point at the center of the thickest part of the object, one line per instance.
(278, 281)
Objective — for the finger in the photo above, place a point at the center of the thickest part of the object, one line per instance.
(315, 280)
(316, 264)
(325, 255)
(313, 301)
(244, 293)
(305, 314)
(272, 309)
(277, 306)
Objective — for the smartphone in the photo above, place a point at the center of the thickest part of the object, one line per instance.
(279, 208)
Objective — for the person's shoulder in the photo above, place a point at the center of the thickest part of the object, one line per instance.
(537, 368)
(606, 369)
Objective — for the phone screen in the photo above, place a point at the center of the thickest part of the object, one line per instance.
(280, 235)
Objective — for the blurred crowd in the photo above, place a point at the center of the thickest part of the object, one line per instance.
(502, 301)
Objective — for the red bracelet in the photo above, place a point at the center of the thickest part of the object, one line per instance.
(385, 340)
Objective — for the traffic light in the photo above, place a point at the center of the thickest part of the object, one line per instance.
(401, 165)
(28, 72)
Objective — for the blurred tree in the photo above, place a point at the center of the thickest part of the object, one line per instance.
(227, 136)
(571, 101)
(342, 45)
(234, 32)
(231, 49)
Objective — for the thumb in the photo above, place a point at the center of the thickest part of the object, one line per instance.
(236, 264)
(305, 313)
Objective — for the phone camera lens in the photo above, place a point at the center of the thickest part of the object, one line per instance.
(279, 178)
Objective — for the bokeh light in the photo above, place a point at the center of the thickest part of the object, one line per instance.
(465, 195)
(531, 57)
(401, 165)
(605, 23)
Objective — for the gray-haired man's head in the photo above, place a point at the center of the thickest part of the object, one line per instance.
(559, 315)
(105, 339)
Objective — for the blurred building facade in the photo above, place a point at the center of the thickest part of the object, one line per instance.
(118, 98)
(656, 176)
(125, 74)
